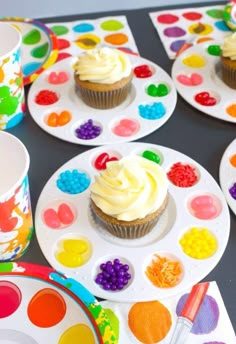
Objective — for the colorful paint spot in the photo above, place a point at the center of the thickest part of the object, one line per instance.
(83, 27)
(194, 61)
(192, 15)
(46, 308)
(60, 30)
(207, 317)
(116, 39)
(74, 252)
(174, 31)
(176, 45)
(112, 25)
(215, 13)
(30, 67)
(32, 37)
(87, 41)
(221, 25)
(167, 19)
(41, 51)
(10, 298)
(201, 29)
(63, 43)
(149, 322)
(114, 321)
(77, 332)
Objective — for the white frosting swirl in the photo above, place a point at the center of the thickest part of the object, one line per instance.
(103, 65)
(229, 46)
(130, 188)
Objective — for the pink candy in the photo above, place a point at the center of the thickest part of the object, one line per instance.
(56, 219)
(57, 78)
(126, 127)
(193, 80)
(203, 207)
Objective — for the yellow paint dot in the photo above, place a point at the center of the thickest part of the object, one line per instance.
(200, 29)
(194, 61)
(79, 333)
(199, 243)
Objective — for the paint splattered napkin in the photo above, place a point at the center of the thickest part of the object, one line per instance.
(77, 36)
(154, 321)
(194, 25)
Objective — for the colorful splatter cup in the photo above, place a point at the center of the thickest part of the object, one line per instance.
(16, 223)
(12, 99)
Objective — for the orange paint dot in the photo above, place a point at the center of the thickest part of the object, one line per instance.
(116, 39)
(204, 39)
(150, 321)
(231, 110)
(46, 308)
(233, 160)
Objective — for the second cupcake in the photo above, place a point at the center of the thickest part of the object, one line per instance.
(103, 77)
(129, 196)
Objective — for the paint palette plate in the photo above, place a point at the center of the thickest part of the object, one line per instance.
(126, 122)
(39, 47)
(227, 174)
(197, 77)
(80, 247)
(46, 304)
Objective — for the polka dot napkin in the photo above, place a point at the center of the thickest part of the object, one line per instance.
(77, 36)
(154, 321)
(189, 25)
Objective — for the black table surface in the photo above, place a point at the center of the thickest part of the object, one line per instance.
(201, 137)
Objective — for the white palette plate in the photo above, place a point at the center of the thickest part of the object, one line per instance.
(106, 119)
(163, 239)
(46, 304)
(227, 174)
(197, 60)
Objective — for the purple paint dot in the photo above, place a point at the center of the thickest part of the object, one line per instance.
(207, 317)
(176, 45)
(174, 31)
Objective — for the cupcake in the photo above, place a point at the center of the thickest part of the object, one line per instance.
(228, 60)
(103, 77)
(128, 197)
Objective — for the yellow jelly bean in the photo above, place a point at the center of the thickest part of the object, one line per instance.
(194, 61)
(75, 245)
(69, 259)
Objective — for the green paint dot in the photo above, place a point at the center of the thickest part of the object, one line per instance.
(214, 50)
(32, 37)
(112, 25)
(114, 321)
(41, 51)
(215, 13)
(60, 30)
(6, 267)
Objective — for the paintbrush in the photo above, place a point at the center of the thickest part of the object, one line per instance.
(189, 312)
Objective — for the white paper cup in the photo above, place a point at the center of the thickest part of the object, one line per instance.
(16, 224)
(12, 99)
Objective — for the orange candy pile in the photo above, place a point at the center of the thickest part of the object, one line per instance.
(58, 120)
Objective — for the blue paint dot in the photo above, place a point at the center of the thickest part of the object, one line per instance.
(176, 45)
(153, 111)
(221, 25)
(85, 27)
(15, 120)
(30, 68)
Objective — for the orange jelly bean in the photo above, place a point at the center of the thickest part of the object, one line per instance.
(64, 118)
(233, 160)
(52, 119)
(231, 110)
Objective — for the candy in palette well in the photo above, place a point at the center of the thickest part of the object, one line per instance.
(227, 174)
(197, 77)
(137, 322)
(77, 36)
(189, 26)
(75, 243)
(59, 110)
(46, 304)
(39, 46)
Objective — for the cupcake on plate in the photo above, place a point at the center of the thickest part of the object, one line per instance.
(128, 197)
(228, 60)
(103, 77)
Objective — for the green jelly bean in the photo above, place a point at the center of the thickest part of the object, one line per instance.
(151, 156)
(214, 50)
(162, 90)
(152, 90)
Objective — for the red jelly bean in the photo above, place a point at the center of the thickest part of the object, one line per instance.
(101, 161)
(142, 71)
(65, 214)
(204, 98)
(51, 218)
(46, 97)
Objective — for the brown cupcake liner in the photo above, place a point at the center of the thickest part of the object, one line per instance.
(229, 76)
(105, 99)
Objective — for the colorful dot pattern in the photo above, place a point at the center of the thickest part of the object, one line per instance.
(183, 25)
(39, 47)
(78, 36)
(49, 302)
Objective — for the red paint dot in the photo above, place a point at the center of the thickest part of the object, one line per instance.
(46, 308)
(62, 56)
(192, 15)
(63, 43)
(10, 298)
(167, 19)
